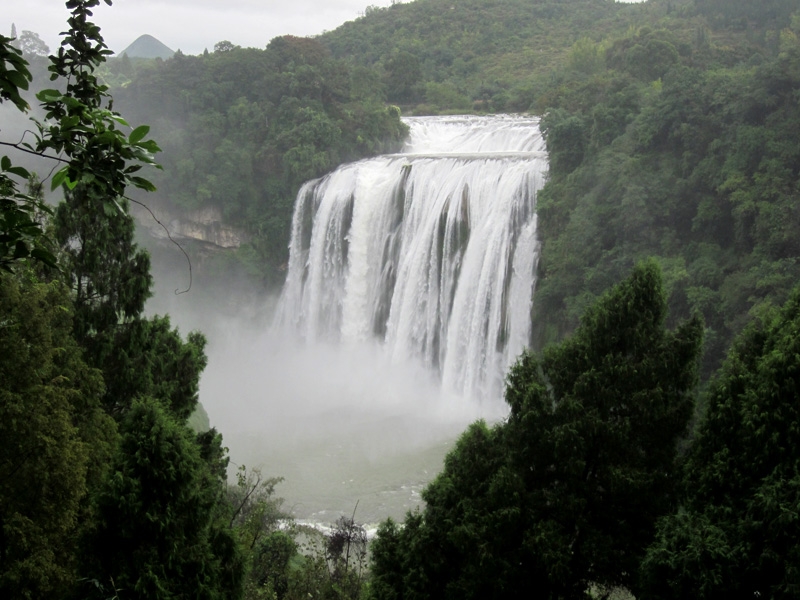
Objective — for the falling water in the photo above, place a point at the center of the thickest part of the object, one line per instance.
(431, 251)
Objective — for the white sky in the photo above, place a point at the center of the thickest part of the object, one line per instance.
(189, 25)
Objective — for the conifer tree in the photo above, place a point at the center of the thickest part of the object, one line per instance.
(163, 532)
(108, 273)
(54, 435)
(166, 486)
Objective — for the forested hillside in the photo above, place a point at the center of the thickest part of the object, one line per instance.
(670, 126)
(243, 128)
(473, 54)
(681, 144)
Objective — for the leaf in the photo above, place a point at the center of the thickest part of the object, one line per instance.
(59, 178)
(48, 95)
(46, 257)
(149, 145)
(17, 79)
(5, 163)
(19, 172)
(21, 250)
(143, 184)
(138, 134)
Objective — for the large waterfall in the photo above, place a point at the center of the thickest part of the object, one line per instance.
(431, 251)
(408, 294)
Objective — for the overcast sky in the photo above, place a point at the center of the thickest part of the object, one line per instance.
(189, 25)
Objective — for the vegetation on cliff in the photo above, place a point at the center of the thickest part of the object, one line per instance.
(243, 128)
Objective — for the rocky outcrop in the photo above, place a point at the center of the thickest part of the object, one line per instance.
(201, 225)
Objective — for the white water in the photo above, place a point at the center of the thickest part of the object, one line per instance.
(408, 293)
(432, 251)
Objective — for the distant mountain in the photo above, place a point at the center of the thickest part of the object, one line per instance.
(146, 46)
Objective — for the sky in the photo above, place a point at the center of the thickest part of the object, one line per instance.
(189, 25)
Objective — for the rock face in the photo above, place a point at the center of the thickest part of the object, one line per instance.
(201, 225)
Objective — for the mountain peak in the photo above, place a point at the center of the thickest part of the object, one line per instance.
(146, 46)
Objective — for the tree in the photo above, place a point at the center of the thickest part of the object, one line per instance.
(110, 279)
(403, 75)
(31, 44)
(346, 553)
(108, 273)
(21, 234)
(564, 494)
(57, 440)
(224, 46)
(163, 529)
(737, 533)
(54, 437)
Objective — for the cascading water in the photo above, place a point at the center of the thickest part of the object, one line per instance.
(432, 251)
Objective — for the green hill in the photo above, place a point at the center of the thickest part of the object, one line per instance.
(486, 54)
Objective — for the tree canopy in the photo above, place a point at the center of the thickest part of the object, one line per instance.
(737, 533)
(243, 128)
(77, 352)
(565, 493)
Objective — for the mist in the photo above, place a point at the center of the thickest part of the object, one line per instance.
(347, 417)
(342, 424)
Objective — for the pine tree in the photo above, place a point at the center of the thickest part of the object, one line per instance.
(108, 273)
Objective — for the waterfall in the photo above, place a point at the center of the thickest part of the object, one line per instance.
(432, 251)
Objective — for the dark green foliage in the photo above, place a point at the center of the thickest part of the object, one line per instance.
(243, 128)
(564, 494)
(164, 487)
(490, 52)
(14, 74)
(743, 13)
(110, 279)
(53, 435)
(101, 157)
(270, 568)
(109, 275)
(346, 554)
(21, 233)
(737, 535)
(691, 158)
(403, 75)
(163, 531)
(146, 357)
(568, 137)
